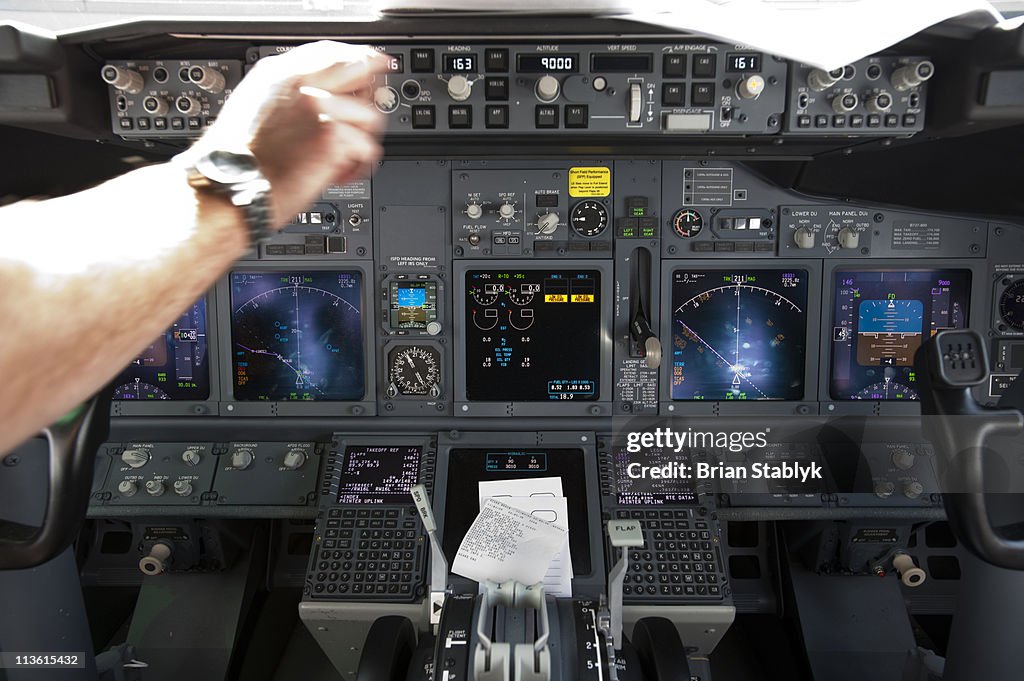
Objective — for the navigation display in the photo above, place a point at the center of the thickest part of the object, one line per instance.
(881, 318)
(646, 491)
(297, 336)
(174, 366)
(378, 474)
(738, 335)
(533, 335)
(468, 467)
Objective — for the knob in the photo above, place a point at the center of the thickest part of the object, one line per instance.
(507, 211)
(474, 211)
(155, 106)
(127, 488)
(913, 490)
(880, 102)
(750, 87)
(385, 98)
(294, 459)
(910, 574)
(157, 560)
(136, 458)
(849, 238)
(459, 88)
(547, 223)
(241, 459)
(903, 459)
(207, 79)
(547, 88)
(183, 488)
(884, 490)
(473, 239)
(124, 80)
(910, 76)
(844, 103)
(187, 105)
(433, 328)
(191, 457)
(804, 238)
(819, 79)
(155, 488)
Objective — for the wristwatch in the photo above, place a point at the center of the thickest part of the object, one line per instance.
(236, 175)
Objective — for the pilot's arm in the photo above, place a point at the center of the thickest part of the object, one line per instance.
(88, 280)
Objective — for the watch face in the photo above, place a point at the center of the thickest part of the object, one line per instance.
(225, 167)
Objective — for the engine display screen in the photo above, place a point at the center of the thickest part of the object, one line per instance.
(738, 335)
(881, 318)
(378, 474)
(174, 366)
(297, 336)
(647, 491)
(468, 467)
(533, 335)
(413, 304)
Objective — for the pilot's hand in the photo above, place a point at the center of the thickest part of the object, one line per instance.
(308, 117)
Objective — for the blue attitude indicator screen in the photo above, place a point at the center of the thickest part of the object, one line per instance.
(533, 335)
(297, 336)
(881, 318)
(174, 366)
(738, 335)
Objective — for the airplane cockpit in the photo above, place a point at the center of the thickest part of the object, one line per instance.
(646, 352)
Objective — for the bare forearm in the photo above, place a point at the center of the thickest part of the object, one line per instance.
(90, 279)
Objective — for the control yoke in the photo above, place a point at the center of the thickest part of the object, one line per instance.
(73, 443)
(948, 366)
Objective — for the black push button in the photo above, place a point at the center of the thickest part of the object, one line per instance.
(576, 116)
(839, 121)
(547, 116)
(160, 123)
(126, 123)
(703, 94)
(672, 94)
(460, 116)
(673, 66)
(909, 120)
(857, 121)
(496, 59)
(177, 123)
(496, 89)
(422, 61)
(892, 120)
(497, 116)
(704, 65)
(874, 120)
(803, 121)
(423, 116)
(143, 123)
(821, 121)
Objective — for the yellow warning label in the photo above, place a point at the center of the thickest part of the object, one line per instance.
(555, 298)
(582, 298)
(590, 181)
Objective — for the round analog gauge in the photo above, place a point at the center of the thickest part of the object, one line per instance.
(416, 370)
(886, 390)
(137, 390)
(687, 223)
(589, 218)
(1011, 305)
(485, 294)
(521, 294)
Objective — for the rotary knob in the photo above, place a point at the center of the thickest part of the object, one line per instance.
(547, 88)
(903, 459)
(820, 80)
(385, 98)
(155, 488)
(884, 490)
(913, 490)
(135, 458)
(127, 488)
(547, 223)
(433, 328)
(880, 102)
(750, 87)
(155, 106)
(191, 457)
(294, 459)
(183, 488)
(459, 88)
(123, 79)
(507, 211)
(241, 459)
(849, 238)
(910, 76)
(474, 211)
(804, 238)
(207, 79)
(844, 103)
(187, 105)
